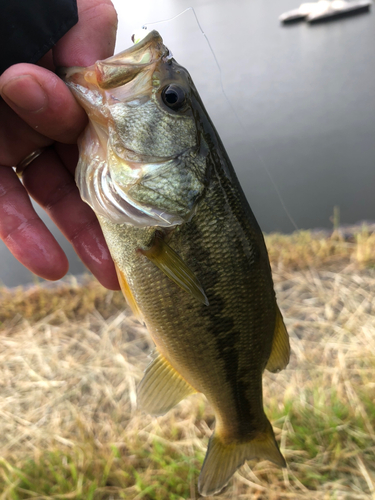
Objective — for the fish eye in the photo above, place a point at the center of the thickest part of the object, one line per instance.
(173, 96)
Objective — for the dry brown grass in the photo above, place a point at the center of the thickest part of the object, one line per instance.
(314, 249)
(75, 298)
(70, 359)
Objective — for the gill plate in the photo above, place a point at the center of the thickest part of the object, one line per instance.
(106, 198)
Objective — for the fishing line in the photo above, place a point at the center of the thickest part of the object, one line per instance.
(263, 163)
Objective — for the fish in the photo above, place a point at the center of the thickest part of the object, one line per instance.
(189, 254)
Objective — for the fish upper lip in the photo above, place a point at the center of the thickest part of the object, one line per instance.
(151, 40)
(149, 51)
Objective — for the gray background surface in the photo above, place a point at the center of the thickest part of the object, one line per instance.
(303, 101)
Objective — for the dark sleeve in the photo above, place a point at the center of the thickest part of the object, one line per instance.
(29, 28)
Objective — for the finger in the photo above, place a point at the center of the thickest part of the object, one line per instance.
(92, 38)
(25, 234)
(69, 155)
(17, 139)
(53, 187)
(47, 61)
(43, 101)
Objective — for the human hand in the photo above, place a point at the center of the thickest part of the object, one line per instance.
(38, 111)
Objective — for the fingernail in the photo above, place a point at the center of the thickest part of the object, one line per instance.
(25, 93)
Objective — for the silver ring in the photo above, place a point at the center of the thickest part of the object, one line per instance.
(21, 167)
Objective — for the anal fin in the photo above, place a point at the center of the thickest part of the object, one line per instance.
(280, 353)
(162, 387)
(171, 264)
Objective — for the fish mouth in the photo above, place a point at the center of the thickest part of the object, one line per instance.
(121, 68)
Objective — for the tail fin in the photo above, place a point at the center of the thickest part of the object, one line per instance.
(222, 460)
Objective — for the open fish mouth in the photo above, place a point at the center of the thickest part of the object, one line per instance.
(120, 68)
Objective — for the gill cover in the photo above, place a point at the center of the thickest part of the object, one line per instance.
(142, 160)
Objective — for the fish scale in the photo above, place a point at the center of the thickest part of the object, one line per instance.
(189, 254)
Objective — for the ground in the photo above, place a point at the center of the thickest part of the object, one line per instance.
(71, 357)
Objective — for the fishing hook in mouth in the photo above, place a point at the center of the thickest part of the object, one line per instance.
(169, 56)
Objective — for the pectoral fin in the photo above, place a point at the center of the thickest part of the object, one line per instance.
(280, 353)
(168, 261)
(162, 387)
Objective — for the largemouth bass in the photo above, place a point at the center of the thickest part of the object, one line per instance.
(189, 254)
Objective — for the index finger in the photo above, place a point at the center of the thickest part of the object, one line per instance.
(44, 102)
(92, 38)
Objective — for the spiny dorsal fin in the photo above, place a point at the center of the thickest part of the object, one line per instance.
(222, 460)
(280, 353)
(162, 387)
(168, 261)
